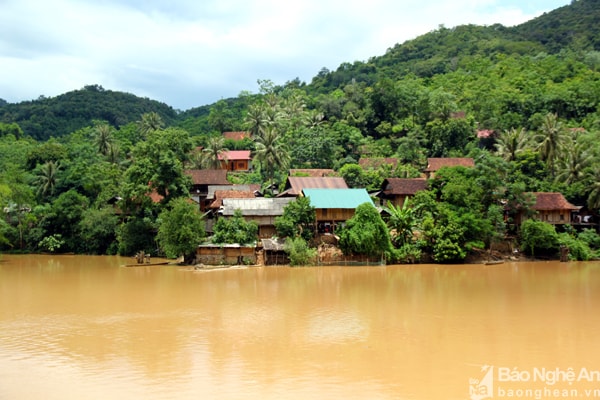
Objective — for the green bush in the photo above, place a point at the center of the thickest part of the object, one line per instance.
(538, 237)
(578, 249)
(299, 252)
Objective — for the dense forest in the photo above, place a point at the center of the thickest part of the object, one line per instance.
(522, 101)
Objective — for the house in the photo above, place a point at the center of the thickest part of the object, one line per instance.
(335, 206)
(397, 190)
(312, 172)
(435, 164)
(202, 179)
(551, 207)
(262, 210)
(375, 163)
(235, 160)
(295, 184)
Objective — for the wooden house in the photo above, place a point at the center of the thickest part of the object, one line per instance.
(435, 164)
(262, 210)
(335, 206)
(397, 190)
(202, 179)
(295, 184)
(225, 254)
(236, 160)
(551, 207)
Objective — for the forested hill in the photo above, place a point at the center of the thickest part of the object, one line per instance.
(570, 29)
(573, 28)
(57, 116)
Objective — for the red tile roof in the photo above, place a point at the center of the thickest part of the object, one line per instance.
(545, 201)
(232, 155)
(295, 184)
(403, 186)
(434, 164)
(240, 135)
(208, 176)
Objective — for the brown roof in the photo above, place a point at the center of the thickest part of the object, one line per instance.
(545, 201)
(377, 162)
(314, 172)
(295, 184)
(236, 135)
(403, 186)
(232, 155)
(230, 194)
(208, 176)
(434, 164)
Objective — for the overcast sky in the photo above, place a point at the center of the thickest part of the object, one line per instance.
(189, 53)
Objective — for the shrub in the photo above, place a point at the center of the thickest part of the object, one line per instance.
(299, 252)
(538, 236)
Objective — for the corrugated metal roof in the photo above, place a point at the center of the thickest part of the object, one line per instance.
(295, 184)
(259, 206)
(337, 198)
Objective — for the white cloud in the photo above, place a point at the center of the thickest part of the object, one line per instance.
(189, 53)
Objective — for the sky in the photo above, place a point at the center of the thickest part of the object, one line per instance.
(190, 53)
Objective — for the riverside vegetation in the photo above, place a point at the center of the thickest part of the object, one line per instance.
(531, 91)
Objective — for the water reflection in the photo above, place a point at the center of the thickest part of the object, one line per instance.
(378, 332)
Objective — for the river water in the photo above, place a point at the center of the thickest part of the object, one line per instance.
(82, 327)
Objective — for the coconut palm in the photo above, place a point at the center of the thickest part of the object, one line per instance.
(511, 142)
(574, 162)
(255, 120)
(593, 201)
(47, 178)
(550, 139)
(150, 122)
(103, 138)
(271, 152)
(214, 153)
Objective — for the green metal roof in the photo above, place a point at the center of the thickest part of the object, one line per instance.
(337, 198)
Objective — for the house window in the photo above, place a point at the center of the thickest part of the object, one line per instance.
(562, 217)
(324, 212)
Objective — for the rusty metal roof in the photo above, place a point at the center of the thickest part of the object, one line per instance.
(295, 184)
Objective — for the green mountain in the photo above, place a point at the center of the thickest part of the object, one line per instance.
(433, 56)
(57, 116)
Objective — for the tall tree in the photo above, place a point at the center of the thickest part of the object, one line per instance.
(47, 178)
(550, 138)
(150, 122)
(213, 153)
(511, 142)
(103, 137)
(271, 152)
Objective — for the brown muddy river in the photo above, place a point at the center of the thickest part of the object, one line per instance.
(80, 327)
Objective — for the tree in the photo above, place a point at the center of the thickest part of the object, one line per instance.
(150, 122)
(180, 229)
(538, 236)
(103, 138)
(366, 234)
(235, 229)
(298, 219)
(158, 165)
(214, 153)
(98, 230)
(510, 143)
(271, 152)
(47, 178)
(550, 138)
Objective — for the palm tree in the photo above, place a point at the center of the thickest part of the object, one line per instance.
(46, 178)
(572, 166)
(402, 222)
(550, 138)
(511, 142)
(214, 153)
(593, 201)
(255, 119)
(103, 138)
(271, 152)
(150, 122)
